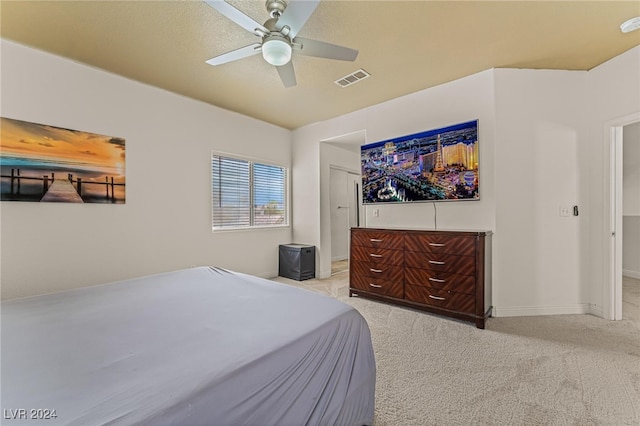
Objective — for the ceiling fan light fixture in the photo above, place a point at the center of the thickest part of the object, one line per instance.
(276, 51)
(630, 25)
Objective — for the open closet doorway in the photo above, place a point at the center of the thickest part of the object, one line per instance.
(339, 210)
(345, 214)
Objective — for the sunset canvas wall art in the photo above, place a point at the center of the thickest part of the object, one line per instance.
(43, 163)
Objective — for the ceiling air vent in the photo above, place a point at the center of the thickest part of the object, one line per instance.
(352, 78)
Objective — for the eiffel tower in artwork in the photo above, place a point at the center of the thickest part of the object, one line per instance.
(439, 167)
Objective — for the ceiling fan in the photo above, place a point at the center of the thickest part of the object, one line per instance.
(278, 36)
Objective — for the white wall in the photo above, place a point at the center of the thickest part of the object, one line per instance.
(613, 91)
(463, 100)
(531, 122)
(631, 201)
(166, 221)
(539, 117)
(541, 148)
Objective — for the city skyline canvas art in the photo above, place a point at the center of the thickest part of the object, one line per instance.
(40, 162)
(434, 165)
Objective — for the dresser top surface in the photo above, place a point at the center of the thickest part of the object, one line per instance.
(425, 230)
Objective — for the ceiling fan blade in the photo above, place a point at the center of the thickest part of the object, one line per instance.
(296, 15)
(236, 16)
(287, 74)
(322, 49)
(234, 55)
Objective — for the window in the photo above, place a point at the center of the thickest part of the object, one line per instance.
(247, 194)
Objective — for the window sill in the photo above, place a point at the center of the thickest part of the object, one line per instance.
(247, 228)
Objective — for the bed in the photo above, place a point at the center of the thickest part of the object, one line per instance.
(200, 346)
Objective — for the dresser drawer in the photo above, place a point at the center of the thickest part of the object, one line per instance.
(440, 280)
(464, 265)
(384, 272)
(377, 239)
(445, 299)
(439, 243)
(377, 255)
(379, 286)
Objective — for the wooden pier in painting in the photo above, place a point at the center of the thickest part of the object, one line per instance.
(62, 191)
(69, 190)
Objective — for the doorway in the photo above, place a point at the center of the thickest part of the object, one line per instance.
(631, 222)
(618, 213)
(338, 153)
(345, 214)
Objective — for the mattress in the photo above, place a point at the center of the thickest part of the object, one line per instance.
(200, 346)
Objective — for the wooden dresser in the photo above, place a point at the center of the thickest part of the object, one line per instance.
(444, 272)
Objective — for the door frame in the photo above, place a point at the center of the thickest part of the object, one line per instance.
(613, 137)
(349, 195)
(327, 158)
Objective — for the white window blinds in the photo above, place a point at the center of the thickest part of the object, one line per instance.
(269, 183)
(247, 194)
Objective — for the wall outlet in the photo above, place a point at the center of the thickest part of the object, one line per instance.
(376, 212)
(566, 211)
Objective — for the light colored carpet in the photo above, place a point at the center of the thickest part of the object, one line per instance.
(631, 298)
(545, 370)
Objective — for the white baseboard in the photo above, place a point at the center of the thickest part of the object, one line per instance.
(631, 274)
(529, 311)
(324, 274)
(595, 310)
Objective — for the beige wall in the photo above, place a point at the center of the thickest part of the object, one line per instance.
(543, 263)
(166, 221)
(542, 147)
(539, 122)
(463, 100)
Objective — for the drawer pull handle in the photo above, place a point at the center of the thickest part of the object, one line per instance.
(375, 255)
(438, 280)
(375, 285)
(436, 297)
(436, 262)
(375, 270)
(437, 244)
(375, 240)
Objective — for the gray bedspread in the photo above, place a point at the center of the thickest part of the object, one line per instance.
(201, 346)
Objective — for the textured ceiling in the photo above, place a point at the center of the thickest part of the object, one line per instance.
(406, 46)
